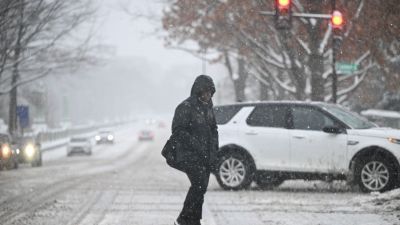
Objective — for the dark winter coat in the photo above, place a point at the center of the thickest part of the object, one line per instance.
(195, 128)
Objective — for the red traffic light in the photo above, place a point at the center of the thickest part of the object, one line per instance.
(283, 4)
(337, 19)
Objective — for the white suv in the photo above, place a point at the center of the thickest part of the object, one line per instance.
(270, 142)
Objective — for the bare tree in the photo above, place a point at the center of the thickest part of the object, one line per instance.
(37, 39)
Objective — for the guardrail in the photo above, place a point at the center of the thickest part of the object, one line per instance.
(57, 138)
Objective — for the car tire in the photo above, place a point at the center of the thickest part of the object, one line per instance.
(235, 171)
(267, 182)
(11, 165)
(38, 162)
(375, 174)
(16, 164)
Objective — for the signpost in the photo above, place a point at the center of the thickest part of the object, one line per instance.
(23, 116)
(346, 68)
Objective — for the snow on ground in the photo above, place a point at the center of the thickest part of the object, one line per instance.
(388, 202)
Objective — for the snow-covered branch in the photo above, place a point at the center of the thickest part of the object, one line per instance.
(283, 84)
(324, 41)
(304, 45)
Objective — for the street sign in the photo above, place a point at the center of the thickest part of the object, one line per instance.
(23, 116)
(346, 68)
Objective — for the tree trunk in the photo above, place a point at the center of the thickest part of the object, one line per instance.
(239, 83)
(264, 92)
(316, 61)
(295, 72)
(12, 115)
(12, 121)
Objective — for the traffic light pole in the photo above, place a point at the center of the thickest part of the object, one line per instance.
(334, 74)
(302, 15)
(334, 48)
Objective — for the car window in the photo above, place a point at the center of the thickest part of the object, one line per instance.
(351, 119)
(268, 116)
(79, 140)
(307, 118)
(223, 114)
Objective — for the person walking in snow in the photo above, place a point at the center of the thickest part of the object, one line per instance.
(195, 125)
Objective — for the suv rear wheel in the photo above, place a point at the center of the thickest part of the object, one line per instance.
(375, 174)
(235, 172)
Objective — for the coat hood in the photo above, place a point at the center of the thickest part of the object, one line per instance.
(201, 84)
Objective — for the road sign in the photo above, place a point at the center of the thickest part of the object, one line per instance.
(346, 68)
(23, 116)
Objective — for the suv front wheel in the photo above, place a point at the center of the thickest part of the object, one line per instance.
(235, 172)
(375, 174)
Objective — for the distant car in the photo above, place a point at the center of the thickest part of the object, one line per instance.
(8, 159)
(146, 135)
(105, 137)
(79, 145)
(161, 124)
(28, 150)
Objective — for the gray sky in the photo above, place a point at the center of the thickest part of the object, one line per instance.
(136, 37)
(143, 76)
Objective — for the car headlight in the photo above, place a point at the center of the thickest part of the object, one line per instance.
(6, 151)
(97, 138)
(110, 137)
(394, 140)
(29, 151)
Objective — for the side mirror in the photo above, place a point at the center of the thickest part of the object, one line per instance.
(332, 130)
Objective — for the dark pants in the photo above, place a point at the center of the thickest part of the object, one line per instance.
(193, 205)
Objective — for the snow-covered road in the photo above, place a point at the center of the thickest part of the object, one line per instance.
(129, 183)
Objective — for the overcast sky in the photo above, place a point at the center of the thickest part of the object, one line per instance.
(143, 76)
(137, 37)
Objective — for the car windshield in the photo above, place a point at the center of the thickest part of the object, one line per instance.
(351, 119)
(79, 140)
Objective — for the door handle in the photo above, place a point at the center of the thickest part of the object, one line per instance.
(251, 133)
(299, 137)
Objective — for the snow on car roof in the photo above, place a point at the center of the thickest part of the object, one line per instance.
(381, 113)
(277, 102)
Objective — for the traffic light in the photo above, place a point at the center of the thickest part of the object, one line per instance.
(337, 23)
(337, 20)
(283, 14)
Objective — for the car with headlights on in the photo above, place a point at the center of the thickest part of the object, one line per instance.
(28, 150)
(270, 142)
(79, 145)
(8, 158)
(105, 137)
